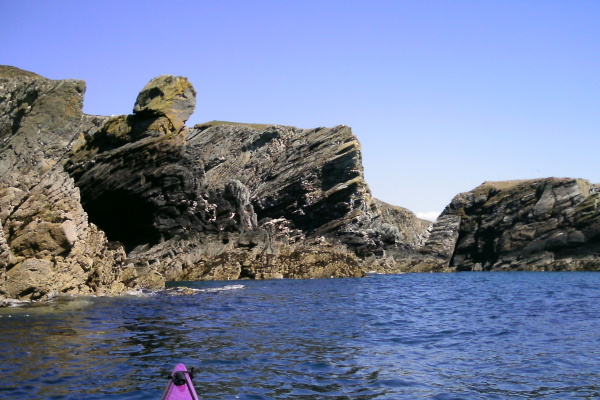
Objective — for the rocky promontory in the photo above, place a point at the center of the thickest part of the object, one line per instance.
(537, 225)
(101, 205)
(47, 243)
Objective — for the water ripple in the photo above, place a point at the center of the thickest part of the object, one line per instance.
(428, 336)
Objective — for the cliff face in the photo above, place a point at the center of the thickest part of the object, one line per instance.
(99, 205)
(544, 224)
(313, 178)
(47, 244)
(228, 201)
(92, 204)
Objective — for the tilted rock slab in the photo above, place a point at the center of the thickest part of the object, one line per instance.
(185, 202)
(312, 177)
(99, 205)
(542, 224)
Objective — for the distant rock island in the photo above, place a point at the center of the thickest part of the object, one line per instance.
(99, 205)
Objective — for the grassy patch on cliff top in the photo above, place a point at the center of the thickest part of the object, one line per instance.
(512, 185)
(8, 71)
(219, 123)
(497, 191)
(507, 185)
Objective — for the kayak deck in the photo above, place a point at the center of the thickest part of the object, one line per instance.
(180, 386)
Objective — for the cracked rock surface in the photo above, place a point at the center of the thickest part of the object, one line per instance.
(101, 205)
(543, 224)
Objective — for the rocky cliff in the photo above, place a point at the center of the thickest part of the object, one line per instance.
(543, 224)
(47, 244)
(227, 201)
(99, 205)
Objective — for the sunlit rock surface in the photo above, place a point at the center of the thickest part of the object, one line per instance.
(100, 205)
(543, 224)
(47, 244)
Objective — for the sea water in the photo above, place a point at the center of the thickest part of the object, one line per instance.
(508, 335)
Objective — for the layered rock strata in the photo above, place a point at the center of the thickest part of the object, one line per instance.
(230, 201)
(47, 244)
(312, 177)
(99, 205)
(543, 224)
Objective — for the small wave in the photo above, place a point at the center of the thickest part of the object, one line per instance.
(14, 303)
(222, 289)
(141, 292)
(51, 306)
(180, 290)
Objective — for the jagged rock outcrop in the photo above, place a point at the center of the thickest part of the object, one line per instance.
(272, 251)
(100, 205)
(184, 202)
(312, 177)
(47, 245)
(92, 204)
(542, 224)
(171, 96)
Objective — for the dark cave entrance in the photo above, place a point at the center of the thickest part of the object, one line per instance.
(124, 217)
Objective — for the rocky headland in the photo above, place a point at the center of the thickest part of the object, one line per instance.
(534, 225)
(101, 205)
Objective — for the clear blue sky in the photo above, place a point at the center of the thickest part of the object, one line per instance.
(442, 95)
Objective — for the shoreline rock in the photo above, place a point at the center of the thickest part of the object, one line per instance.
(94, 205)
(536, 225)
(48, 245)
(103, 205)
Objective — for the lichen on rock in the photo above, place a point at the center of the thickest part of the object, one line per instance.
(171, 96)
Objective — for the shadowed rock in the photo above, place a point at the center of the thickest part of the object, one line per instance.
(542, 224)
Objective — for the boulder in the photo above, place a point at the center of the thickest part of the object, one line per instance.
(171, 96)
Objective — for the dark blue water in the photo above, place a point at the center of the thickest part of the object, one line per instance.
(419, 336)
